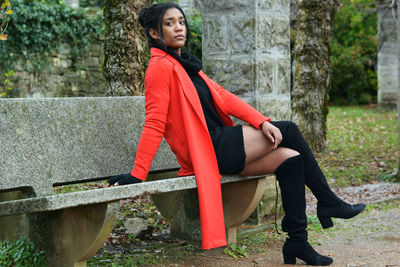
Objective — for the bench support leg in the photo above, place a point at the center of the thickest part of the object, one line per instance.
(71, 236)
(182, 208)
(240, 199)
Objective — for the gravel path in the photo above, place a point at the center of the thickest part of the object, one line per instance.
(370, 193)
(370, 240)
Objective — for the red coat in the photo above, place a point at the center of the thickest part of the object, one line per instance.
(173, 110)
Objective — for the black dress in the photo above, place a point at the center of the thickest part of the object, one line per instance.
(227, 140)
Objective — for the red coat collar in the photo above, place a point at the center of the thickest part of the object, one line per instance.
(185, 82)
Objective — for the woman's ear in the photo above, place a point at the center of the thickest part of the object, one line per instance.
(154, 34)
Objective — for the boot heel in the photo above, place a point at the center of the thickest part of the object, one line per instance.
(326, 222)
(289, 259)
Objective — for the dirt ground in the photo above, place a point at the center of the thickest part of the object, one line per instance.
(370, 239)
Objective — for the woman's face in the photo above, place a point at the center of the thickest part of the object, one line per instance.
(174, 29)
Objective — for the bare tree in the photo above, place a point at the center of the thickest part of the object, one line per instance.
(311, 69)
(125, 48)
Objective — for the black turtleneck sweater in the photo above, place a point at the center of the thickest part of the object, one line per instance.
(227, 141)
(192, 66)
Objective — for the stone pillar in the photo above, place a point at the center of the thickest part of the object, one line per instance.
(72, 3)
(246, 49)
(387, 56)
(190, 7)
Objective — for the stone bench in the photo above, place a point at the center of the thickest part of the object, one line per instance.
(46, 143)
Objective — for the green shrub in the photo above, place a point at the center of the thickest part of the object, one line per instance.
(20, 253)
(38, 27)
(196, 34)
(354, 51)
(7, 89)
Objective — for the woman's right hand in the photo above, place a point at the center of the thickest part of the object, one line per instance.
(272, 133)
(122, 179)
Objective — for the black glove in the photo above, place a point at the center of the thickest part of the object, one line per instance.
(123, 179)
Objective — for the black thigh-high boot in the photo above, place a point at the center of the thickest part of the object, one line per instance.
(290, 175)
(329, 205)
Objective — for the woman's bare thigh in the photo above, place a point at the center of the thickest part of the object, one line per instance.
(261, 158)
(256, 145)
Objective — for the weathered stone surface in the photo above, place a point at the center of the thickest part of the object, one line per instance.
(135, 226)
(236, 75)
(14, 225)
(70, 139)
(190, 7)
(273, 35)
(62, 73)
(96, 196)
(267, 207)
(225, 5)
(215, 36)
(246, 49)
(277, 107)
(71, 236)
(273, 76)
(387, 57)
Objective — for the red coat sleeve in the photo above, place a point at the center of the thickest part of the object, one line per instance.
(239, 108)
(157, 98)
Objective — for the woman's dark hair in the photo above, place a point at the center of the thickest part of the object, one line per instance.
(151, 18)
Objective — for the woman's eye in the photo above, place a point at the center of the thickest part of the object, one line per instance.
(169, 24)
(182, 22)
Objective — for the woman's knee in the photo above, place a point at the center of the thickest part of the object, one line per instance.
(288, 153)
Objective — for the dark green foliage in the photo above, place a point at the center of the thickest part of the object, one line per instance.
(92, 3)
(354, 52)
(196, 34)
(41, 26)
(20, 253)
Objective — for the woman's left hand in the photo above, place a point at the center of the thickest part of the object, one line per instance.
(272, 133)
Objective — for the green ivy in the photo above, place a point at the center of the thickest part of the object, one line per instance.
(39, 27)
(20, 253)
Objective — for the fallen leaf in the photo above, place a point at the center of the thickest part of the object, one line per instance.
(3, 37)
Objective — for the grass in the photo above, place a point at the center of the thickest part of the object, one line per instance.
(362, 145)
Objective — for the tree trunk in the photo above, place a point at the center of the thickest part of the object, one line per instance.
(311, 69)
(125, 48)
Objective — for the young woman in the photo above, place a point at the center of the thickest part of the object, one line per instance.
(192, 112)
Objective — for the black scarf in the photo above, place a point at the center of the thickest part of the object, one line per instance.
(189, 62)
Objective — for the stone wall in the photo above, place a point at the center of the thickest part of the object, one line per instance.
(246, 49)
(63, 75)
(387, 57)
